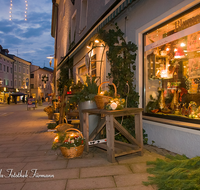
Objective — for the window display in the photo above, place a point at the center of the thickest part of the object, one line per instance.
(172, 67)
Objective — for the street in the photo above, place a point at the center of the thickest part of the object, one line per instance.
(28, 163)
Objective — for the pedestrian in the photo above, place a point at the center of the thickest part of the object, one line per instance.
(8, 99)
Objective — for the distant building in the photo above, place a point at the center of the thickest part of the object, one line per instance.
(6, 74)
(21, 76)
(40, 89)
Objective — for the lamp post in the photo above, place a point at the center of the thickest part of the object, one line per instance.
(44, 80)
(54, 72)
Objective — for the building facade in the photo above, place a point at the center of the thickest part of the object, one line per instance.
(6, 75)
(39, 88)
(21, 78)
(167, 66)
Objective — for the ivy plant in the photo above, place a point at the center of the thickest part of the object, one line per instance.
(64, 79)
(122, 55)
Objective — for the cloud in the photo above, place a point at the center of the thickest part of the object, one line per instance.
(31, 39)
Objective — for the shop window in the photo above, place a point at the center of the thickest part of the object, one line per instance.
(83, 15)
(83, 71)
(172, 68)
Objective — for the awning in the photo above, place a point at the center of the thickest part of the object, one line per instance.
(18, 94)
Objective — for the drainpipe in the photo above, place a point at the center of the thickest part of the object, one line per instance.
(55, 34)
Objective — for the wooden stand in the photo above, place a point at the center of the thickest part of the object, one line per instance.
(115, 148)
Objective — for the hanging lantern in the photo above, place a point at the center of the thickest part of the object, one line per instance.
(179, 53)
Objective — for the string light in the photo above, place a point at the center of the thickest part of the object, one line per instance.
(25, 12)
(26, 8)
(10, 11)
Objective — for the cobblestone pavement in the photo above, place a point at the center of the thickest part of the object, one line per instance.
(28, 163)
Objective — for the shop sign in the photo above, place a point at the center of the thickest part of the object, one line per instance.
(31, 103)
(181, 25)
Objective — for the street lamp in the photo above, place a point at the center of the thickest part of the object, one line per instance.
(50, 57)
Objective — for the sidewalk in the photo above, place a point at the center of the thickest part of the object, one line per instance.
(25, 145)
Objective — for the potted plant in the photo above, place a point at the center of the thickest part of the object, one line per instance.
(49, 111)
(70, 142)
(85, 100)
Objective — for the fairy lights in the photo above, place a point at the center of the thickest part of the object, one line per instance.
(10, 11)
(26, 8)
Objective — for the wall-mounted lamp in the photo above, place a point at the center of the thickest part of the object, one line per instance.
(50, 57)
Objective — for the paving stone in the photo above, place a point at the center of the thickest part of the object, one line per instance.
(45, 147)
(90, 183)
(4, 154)
(139, 167)
(58, 174)
(137, 187)
(131, 179)
(46, 185)
(22, 148)
(136, 158)
(15, 166)
(13, 186)
(46, 165)
(104, 171)
(9, 160)
(88, 162)
(28, 153)
(40, 158)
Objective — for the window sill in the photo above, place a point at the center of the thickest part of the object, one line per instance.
(173, 122)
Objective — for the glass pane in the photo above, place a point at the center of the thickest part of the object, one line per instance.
(172, 68)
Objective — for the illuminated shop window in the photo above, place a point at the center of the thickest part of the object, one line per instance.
(172, 68)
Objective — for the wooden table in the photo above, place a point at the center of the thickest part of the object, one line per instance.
(115, 148)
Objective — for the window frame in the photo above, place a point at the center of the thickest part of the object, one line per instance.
(170, 117)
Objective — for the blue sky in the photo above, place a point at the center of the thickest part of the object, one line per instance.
(30, 40)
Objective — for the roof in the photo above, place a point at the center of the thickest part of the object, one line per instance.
(12, 56)
(44, 68)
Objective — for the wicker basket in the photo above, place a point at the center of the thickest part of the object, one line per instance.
(102, 100)
(73, 151)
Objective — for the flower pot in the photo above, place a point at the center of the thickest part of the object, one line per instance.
(50, 115)
(56, 117)
(93, 119)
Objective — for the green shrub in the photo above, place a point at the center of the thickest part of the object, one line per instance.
(51, 125)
